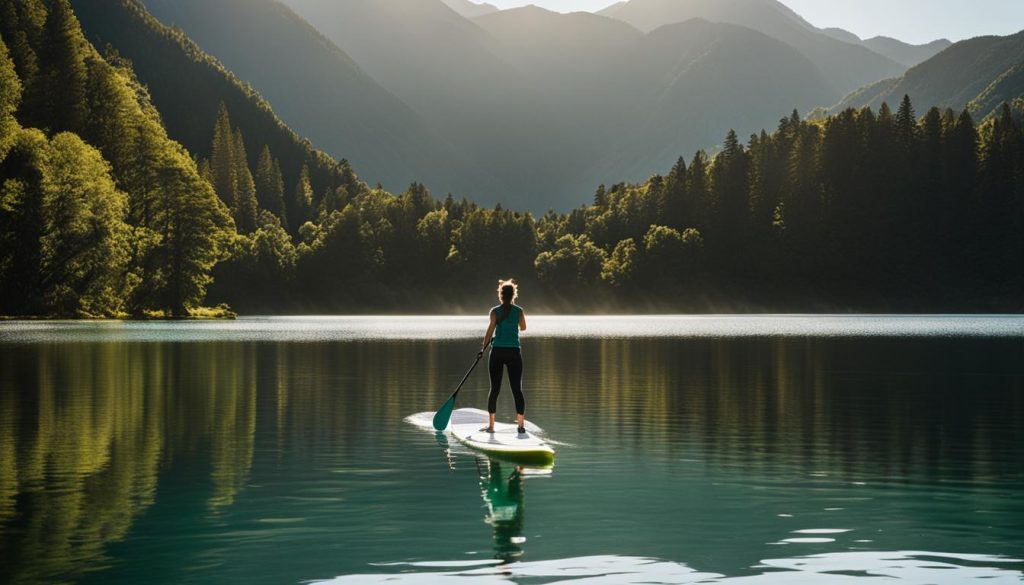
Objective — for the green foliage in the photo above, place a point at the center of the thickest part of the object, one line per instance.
(167, 61)
(575, 260)
(621, 265)
(85, 247)
(177, 227)
(270, 186)
(56, 98)
(64, 241)
(10, 98)
(494, 241)
(862, 209)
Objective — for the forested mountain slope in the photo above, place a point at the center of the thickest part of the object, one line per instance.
(100, 212)
(188, 88)
(314, 86)
(981, 72)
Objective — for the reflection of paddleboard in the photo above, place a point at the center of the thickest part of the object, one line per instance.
(505, 442)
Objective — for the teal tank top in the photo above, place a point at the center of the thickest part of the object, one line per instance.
(506, 334)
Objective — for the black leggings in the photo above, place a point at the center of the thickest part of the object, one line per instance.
(513, 359)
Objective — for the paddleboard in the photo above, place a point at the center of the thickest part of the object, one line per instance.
(505, 442)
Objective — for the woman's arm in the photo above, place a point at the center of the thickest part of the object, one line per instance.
(490, 332)
(522, 320)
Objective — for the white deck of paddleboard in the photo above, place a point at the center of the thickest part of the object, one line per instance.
(466, 426)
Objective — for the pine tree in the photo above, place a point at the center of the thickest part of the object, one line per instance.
(270, 186)
(21, 22)
(675, 209)
(302, 198)
(245, 208)
(730, 185)
(906, 124)
(697, 189)
(222, 159)
(58, 91)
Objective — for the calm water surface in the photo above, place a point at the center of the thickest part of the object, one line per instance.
(731, 450)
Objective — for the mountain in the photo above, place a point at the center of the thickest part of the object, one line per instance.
(842, 35)
(471, 9)
(900, 52)
(187, 87)
(637, 101)
(554, 47)
(981, 72)
(551, 104)
(575, 61)
(421, 50)
(846, 66)
(684, 99)
(1007, 88)
(448, 70)
(314, 86)
(905, 53)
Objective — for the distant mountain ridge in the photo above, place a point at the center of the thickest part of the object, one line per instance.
(548, 103)
(471, 9)
(846, 66)
(979, 73)
(895, 49)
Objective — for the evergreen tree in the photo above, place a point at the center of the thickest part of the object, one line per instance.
(906, 125)
(270, 186)
(697, 188)
(58, 90)
(302, 197)
(245, 206)
(223, 167)
(730, 185)
(21, 23)
(676, 208)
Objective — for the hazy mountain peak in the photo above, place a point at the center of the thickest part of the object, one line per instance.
(906, 53)
(845, 65)
(842, 35)
(470, 9)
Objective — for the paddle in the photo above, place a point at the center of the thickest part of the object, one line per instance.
(444, 414)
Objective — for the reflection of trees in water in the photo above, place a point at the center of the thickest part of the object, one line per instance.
(501, 486)
(843, 405)
(84, 431)
(85, 428)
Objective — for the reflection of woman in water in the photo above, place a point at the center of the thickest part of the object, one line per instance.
(504, 497)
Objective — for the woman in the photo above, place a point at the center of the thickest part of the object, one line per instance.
(507, 320)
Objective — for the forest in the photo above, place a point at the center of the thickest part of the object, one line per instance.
(103, 215)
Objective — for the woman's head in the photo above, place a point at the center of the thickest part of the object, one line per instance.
(508, 290)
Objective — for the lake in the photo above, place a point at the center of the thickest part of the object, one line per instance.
(738, 450)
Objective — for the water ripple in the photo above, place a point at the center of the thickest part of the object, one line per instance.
(907, 567)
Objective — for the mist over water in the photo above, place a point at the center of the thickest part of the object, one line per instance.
(277, 450)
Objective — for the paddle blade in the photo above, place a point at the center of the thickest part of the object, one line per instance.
(444, 414)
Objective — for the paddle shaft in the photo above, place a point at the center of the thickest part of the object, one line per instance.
(466, 377)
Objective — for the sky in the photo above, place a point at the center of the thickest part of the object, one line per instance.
(913, 21)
